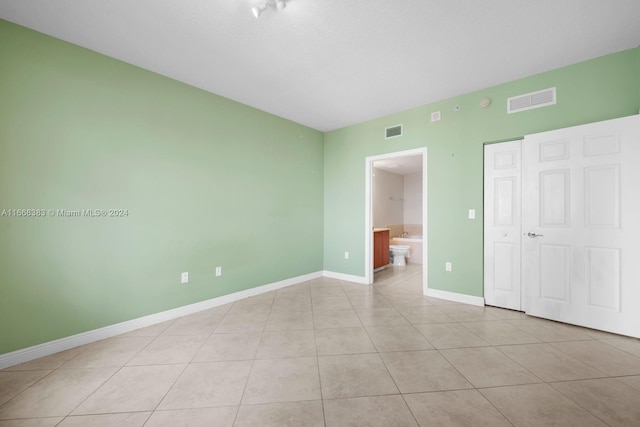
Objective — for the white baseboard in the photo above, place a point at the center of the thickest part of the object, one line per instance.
(453, 296)
(346, 277)
(51, 347)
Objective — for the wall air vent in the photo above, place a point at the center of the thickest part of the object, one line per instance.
(393, 131)
(529, 101)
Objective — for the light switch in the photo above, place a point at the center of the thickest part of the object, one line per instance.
(472, 214)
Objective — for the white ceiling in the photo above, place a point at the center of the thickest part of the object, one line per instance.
(333, 63)
(400, 165)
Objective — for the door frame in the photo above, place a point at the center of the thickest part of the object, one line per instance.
(368, 221)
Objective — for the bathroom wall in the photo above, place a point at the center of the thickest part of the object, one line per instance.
(205, 181)
(602, 88)
(388, 194)
(412, 218)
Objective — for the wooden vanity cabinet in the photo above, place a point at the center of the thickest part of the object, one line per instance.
(380, 248)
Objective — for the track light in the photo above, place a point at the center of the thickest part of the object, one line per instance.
(261, 7)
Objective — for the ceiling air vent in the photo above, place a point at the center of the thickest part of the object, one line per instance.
(532, 100)
(393, 131)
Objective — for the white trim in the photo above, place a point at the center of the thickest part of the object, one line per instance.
(51, 347)
(346, 277)
(368, 220)
(453, 296)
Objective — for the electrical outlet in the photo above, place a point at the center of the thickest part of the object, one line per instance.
(184, 277)
(346, 255)
(218, 271)
(447, 266)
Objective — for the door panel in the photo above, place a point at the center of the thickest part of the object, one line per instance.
(581, 213)
(502, 219)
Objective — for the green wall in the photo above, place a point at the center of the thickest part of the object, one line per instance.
(207, 182)
(599, 89)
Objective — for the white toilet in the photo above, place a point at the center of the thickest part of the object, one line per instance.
(398, 253)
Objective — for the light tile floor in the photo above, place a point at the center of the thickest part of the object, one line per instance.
(335, 353)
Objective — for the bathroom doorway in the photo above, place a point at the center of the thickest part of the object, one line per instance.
(391, 202)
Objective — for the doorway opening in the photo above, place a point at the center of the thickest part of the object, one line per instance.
(400, 167)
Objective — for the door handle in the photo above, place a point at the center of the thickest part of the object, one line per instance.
(534, 235)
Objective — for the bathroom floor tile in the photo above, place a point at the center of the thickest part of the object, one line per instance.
(547, 330)
(505, 314)
(537, 405)
(343, 341)
(331, 303)
(499, 333)
(327, 290)
(399, 300)
(111, 352)
(376, 411)
(633, 381)
(351, 289)
(629, 345)
(253, 304)
(14, 382)
(53, 361)
(169, 349)
(289, 320)
(300, 289)
(323, 319)
(289, 414)
(610, 400)
(422, 371)
(279, 344)
(150, 331)
(370, 302)
(549, 363)
(463, 408)
(397, 338)
(204, 385)
(283, 380)
(209, 417)
(381, 317)
(424, 314)
(243, 322)
(331, 352)
(202, 323)
(354, 375)
(603, 357)
(289, 303)
(450, 335)
(220, 347)
(323, 281)
(133, 419)
(32, 422)
(467, 313)
(487, 367)
(439, 301)
(132, 388)
(57, 394)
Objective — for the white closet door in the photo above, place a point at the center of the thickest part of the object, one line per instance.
(581, 216)
(502, 230)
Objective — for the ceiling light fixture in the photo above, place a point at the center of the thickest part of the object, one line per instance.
(261, 7)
